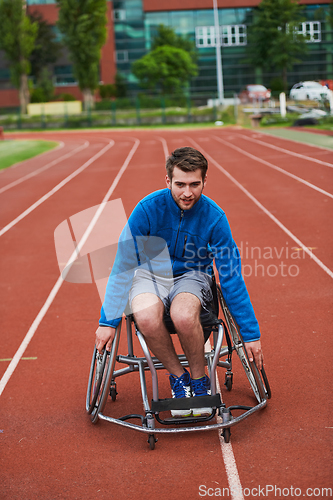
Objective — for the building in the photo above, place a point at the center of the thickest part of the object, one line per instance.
(133, 23)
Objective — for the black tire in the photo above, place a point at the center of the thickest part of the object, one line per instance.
(226, 435)
(113, 393)
(106, 378)
(266, 383)
(228, 382)
(95, 379)
(251, 370)
(151, 441)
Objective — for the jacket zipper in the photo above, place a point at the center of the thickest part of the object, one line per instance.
(181, 218)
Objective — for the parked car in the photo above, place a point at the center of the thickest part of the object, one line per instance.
(309, 90)
(254, 92)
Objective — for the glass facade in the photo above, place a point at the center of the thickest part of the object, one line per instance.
(135, 31)
(63, 75)
(40, 2)
(196, 25)
(129, 36)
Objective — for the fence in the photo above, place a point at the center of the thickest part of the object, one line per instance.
(129, 111)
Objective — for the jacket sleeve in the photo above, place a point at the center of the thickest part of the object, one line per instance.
(126, 262)
(228, 264)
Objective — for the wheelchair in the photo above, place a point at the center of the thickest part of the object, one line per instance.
(102, 383)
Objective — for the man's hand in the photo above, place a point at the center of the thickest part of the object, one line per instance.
(104, 337)
(254, 352)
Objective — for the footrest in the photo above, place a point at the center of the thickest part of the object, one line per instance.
(186, 403)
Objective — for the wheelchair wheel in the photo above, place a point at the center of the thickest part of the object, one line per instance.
(95, 379)
(100, 379)
(151, 441)
(258, 382)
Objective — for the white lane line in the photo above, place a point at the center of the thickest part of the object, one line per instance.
(45, 167)
(165, 147)
(19, 353)
(60, 146)
(274, 167)
(56, 188)
(277, 148)
(267, 212)
(235, 486)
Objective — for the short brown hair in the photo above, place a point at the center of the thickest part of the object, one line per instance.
(187, 159)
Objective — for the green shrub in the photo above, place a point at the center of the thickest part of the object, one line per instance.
(326, 120)
(107, 91)
(228, 115)
(277, 119)
(65, 97)
(104, 105)
(37, 95)
(276, 86)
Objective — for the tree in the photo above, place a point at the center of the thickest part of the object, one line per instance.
(170, 64)
(120, 84)
(44, 89)
(47, 49)
(166, 68)
(167, 36)
(274, 40)
(330, 14)
(112, 90)
(17, 38)
(83, 25)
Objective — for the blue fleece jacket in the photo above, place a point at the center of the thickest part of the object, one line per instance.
(170, 241)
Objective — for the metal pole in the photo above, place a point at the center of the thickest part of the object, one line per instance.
(218, 54)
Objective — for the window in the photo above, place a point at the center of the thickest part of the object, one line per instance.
(119, 14)
(4, 74)
(121, 56)
(311, 30)
(230, 35)
(63, 75)
(233, 34)
(205, 36)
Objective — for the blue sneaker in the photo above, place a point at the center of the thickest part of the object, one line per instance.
(180, 388)
(201, 387)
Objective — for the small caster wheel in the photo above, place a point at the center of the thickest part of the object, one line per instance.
(228, 381)
(151, 441)
(226, 435)
(113, 392)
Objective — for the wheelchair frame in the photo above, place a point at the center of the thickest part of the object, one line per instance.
(102, 383)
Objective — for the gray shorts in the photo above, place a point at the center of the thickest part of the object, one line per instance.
(195, 282)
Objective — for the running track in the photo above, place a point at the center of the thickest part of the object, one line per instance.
(278, 198)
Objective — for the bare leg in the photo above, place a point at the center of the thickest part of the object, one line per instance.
(185, 313)
(148, 310)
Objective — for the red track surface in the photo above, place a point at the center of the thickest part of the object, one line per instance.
(50, 449)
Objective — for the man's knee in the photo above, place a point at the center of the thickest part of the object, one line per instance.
(185, 313)
(148, 313)
(148, 324)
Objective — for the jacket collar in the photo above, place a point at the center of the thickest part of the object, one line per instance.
(176, 210)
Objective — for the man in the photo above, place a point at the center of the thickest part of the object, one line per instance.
(196, 232)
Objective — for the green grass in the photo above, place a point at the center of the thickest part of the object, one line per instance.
(325, 141)
(12, 151)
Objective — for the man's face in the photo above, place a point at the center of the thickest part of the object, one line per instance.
(186, 187)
